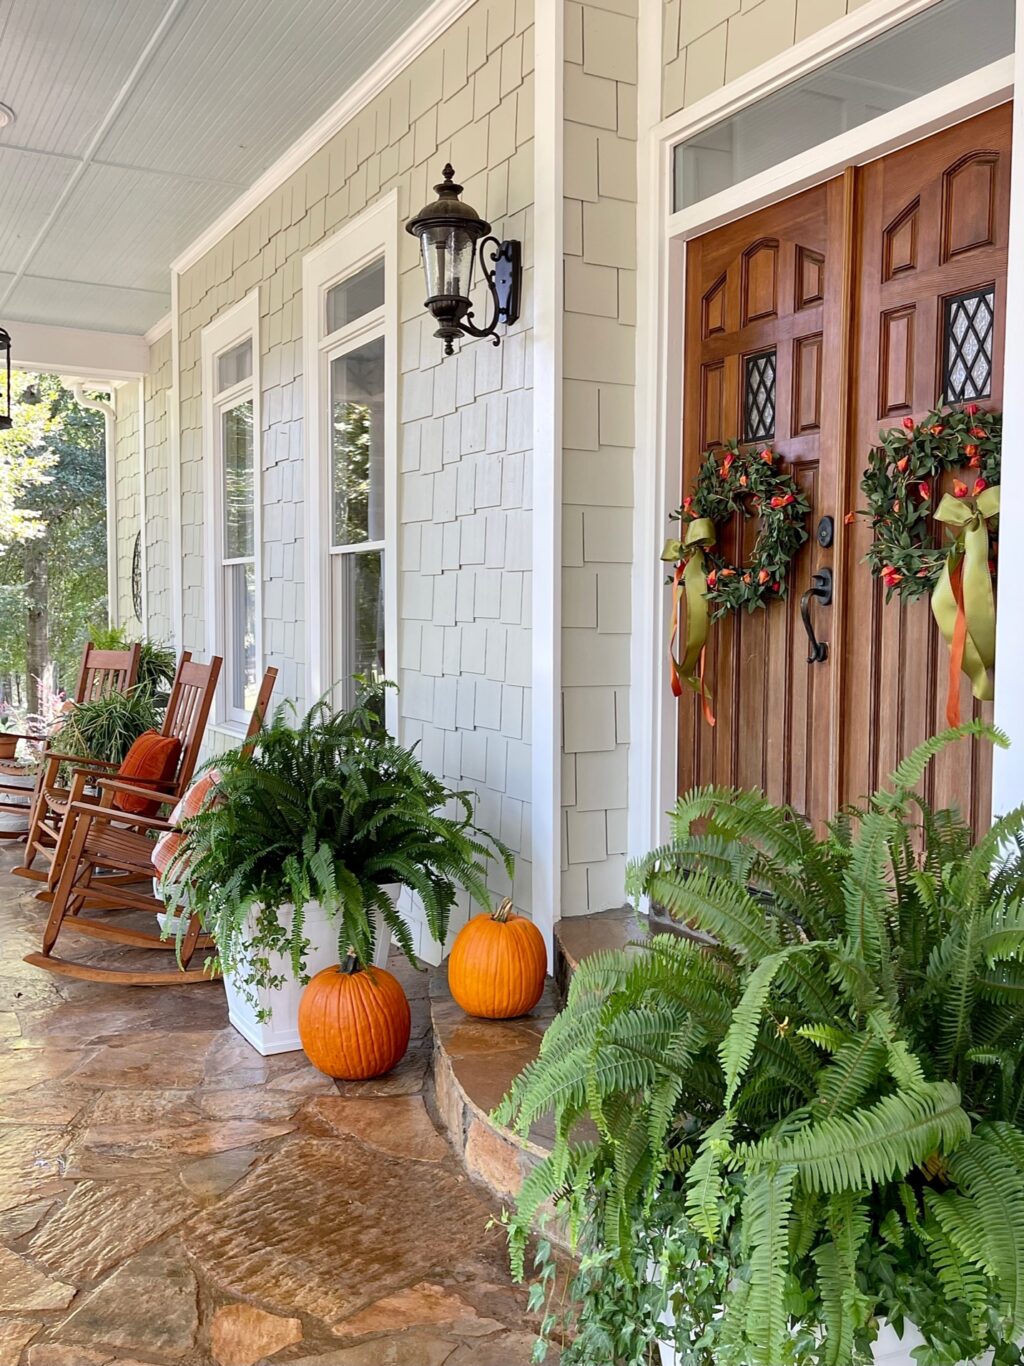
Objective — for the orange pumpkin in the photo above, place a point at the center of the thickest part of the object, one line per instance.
(354, 1022)
(497, 965)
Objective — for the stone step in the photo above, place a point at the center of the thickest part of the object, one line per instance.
(475, 1061)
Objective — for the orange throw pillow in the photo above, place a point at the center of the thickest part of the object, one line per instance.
(151, 761)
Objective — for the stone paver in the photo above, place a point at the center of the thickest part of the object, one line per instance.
(169, 1196)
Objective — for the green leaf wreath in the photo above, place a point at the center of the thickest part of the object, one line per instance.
(901, 484)
(730, 481)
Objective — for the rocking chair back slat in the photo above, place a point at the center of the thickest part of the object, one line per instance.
(187, 711)
(106, 671)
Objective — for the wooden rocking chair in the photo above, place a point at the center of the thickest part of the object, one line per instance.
(100, 673)
(106, 841)
(49, 834)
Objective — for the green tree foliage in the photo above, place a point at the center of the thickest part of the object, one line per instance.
(52, 528)
(827, 1081)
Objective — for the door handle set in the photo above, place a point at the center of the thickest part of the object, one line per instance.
(821, 588)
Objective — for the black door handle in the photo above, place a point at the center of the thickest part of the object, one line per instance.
(821, 588)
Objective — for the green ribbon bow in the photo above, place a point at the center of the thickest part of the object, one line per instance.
(700, 536)
(964, 591)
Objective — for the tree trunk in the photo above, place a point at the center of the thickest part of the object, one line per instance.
(37, 618)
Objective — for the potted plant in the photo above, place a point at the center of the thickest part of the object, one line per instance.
(295, 864)
(107, 727)
(10, 728)
(809, 1116)
(157, 662)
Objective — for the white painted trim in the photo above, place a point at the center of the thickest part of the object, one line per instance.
(825, 45)
(546, 578)
(661, 277)
(159, 329)
(144, 624)
(369, 236)
(652, 713)
(438, 17)
(962, 99)
(231, 326)
(78, 352)
(1008, 766)
(174, 474)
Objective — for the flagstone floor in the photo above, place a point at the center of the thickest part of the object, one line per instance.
(169, 1198)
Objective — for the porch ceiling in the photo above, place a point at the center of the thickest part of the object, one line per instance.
(139, 121)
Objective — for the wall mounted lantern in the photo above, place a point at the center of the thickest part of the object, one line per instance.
(451, 233)
(5, 367)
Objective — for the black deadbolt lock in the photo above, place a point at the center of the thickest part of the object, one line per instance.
(826, 532)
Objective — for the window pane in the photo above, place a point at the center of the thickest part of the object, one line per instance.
(235, 365)
(969, 327)
(759, 396)
(357, 619)
(916, 57)
(240, 634)
(357, 444)
(239, 481)
(355, 296)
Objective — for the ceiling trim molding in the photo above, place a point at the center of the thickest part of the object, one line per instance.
(159, 329)
(78, 351)
(440, 16)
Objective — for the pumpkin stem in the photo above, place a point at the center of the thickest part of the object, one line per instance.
(351, 963)
(503, 912)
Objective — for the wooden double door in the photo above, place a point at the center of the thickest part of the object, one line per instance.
(810, 326)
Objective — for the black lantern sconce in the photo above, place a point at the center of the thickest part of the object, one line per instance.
(451, 234)
(5, 362)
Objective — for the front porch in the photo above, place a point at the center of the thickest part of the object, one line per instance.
(168, 1195)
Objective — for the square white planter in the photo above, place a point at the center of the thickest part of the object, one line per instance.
(279, 1032)
(888, 1349)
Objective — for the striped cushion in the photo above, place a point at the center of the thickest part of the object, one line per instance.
(191, 804)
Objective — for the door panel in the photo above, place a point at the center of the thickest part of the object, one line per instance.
(932, 224)
(764, 341)
(844, 293)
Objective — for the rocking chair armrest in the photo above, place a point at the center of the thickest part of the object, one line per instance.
(127, 818)
(149, 794)
(80, 760)
(23, 735)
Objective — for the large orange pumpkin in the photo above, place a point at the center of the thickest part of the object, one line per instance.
(497, 965)
(354, 1022)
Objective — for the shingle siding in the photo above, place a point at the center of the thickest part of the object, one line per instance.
(706, 43)
(597, 493)
(158, 504)
(127, 500)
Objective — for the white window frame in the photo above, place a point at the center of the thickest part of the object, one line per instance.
(236, 324)
(662, 236)
(373, 236)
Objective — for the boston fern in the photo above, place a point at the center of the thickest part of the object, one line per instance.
(828, 1078)
(330, 809)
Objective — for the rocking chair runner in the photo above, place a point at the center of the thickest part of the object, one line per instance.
(101, 672)
(106, 839)
(187, 709)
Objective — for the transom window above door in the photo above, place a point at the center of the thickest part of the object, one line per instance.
(948, 40)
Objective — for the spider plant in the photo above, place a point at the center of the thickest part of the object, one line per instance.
(157, 662)
(833, 1087)
(107, 727)
(329, 809)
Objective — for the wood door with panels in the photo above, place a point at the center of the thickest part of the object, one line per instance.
(766, 321)
(809, 326)
(932, 234)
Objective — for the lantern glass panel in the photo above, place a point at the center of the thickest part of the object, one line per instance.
(448, 256)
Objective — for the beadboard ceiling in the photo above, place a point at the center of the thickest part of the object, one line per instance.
(138, 122)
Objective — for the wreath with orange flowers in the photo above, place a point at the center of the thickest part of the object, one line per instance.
(902, 488)
(731, 481)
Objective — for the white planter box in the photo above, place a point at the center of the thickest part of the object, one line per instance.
(888, 1348)
(279, 1032)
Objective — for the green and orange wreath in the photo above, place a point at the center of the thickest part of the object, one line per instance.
(909, 513)
(730, 481)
